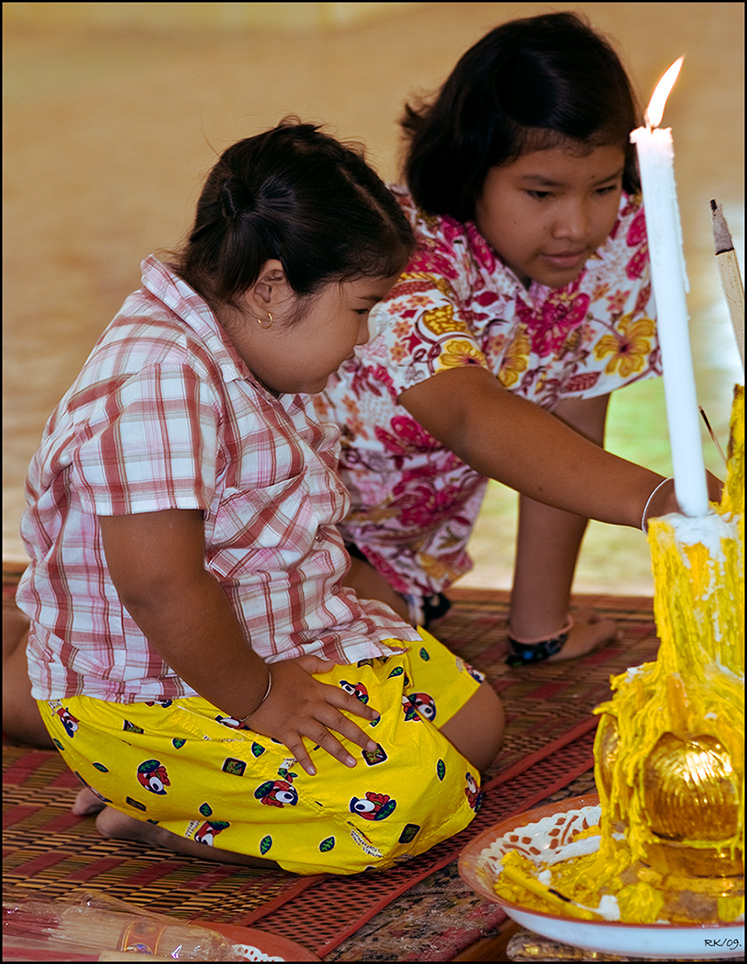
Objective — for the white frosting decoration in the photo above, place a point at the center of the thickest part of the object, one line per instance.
(252, 953)
(609, 908)
(579, 848)
(707, 530)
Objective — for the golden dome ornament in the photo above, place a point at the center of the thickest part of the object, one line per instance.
(690, 789)
(691, 792)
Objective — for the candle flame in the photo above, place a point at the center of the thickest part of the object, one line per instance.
(655, 109)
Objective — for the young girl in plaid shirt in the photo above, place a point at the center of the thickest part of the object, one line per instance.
(195, 654)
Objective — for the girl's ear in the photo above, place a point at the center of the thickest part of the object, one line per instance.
(270, 291)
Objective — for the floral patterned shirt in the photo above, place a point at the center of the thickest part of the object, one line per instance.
(414, 503)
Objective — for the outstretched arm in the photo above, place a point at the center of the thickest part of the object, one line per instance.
(507, 438)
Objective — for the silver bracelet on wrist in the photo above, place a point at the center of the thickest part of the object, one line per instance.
(648, 502)
(267, 693)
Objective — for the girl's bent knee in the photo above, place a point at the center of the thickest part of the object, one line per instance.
(477, 730)
(495, 721)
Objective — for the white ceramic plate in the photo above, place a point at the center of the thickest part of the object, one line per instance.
(258, 945)
(557, 823)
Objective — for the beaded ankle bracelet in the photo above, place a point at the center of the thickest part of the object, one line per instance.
(536, 650)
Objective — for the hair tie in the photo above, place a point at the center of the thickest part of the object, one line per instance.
(231, 202)
(228, 205)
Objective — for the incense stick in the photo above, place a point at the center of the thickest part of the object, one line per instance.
(563, 904)
(728, 269)
(712, 433)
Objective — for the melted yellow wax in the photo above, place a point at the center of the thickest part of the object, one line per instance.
(694, 691)
(695, 688)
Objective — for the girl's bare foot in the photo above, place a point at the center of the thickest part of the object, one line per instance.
(588, 632)
(111, 823)
(585, 632)
(86, 802)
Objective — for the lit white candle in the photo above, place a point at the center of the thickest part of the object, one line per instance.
(669, 279)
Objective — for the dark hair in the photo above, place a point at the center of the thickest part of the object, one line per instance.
(299, 196)
(528, 85)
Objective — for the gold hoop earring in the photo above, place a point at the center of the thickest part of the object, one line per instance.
(267, 323)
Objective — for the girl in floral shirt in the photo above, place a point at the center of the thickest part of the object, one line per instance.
(529, 298)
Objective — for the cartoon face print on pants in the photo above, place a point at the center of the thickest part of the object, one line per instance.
(278, 793)
(153, 776)
(472, 792)
(375, 806)
(68, 721)
(358, 690)
(209, 831)
(419, 706)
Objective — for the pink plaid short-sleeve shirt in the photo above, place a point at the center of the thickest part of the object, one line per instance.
(165, 415)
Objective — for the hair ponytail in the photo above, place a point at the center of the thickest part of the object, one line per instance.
(299, 196)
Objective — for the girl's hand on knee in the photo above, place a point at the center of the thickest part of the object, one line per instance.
(300, 706)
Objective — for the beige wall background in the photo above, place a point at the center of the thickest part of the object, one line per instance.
(209, 16)
(114, 113)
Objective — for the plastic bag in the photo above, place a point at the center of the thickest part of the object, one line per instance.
(86, 924)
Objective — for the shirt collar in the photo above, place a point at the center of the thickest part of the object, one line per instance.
(194, 312)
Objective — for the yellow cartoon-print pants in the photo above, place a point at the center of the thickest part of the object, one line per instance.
(183, 765)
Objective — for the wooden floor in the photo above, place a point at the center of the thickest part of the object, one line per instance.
(108, 132)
